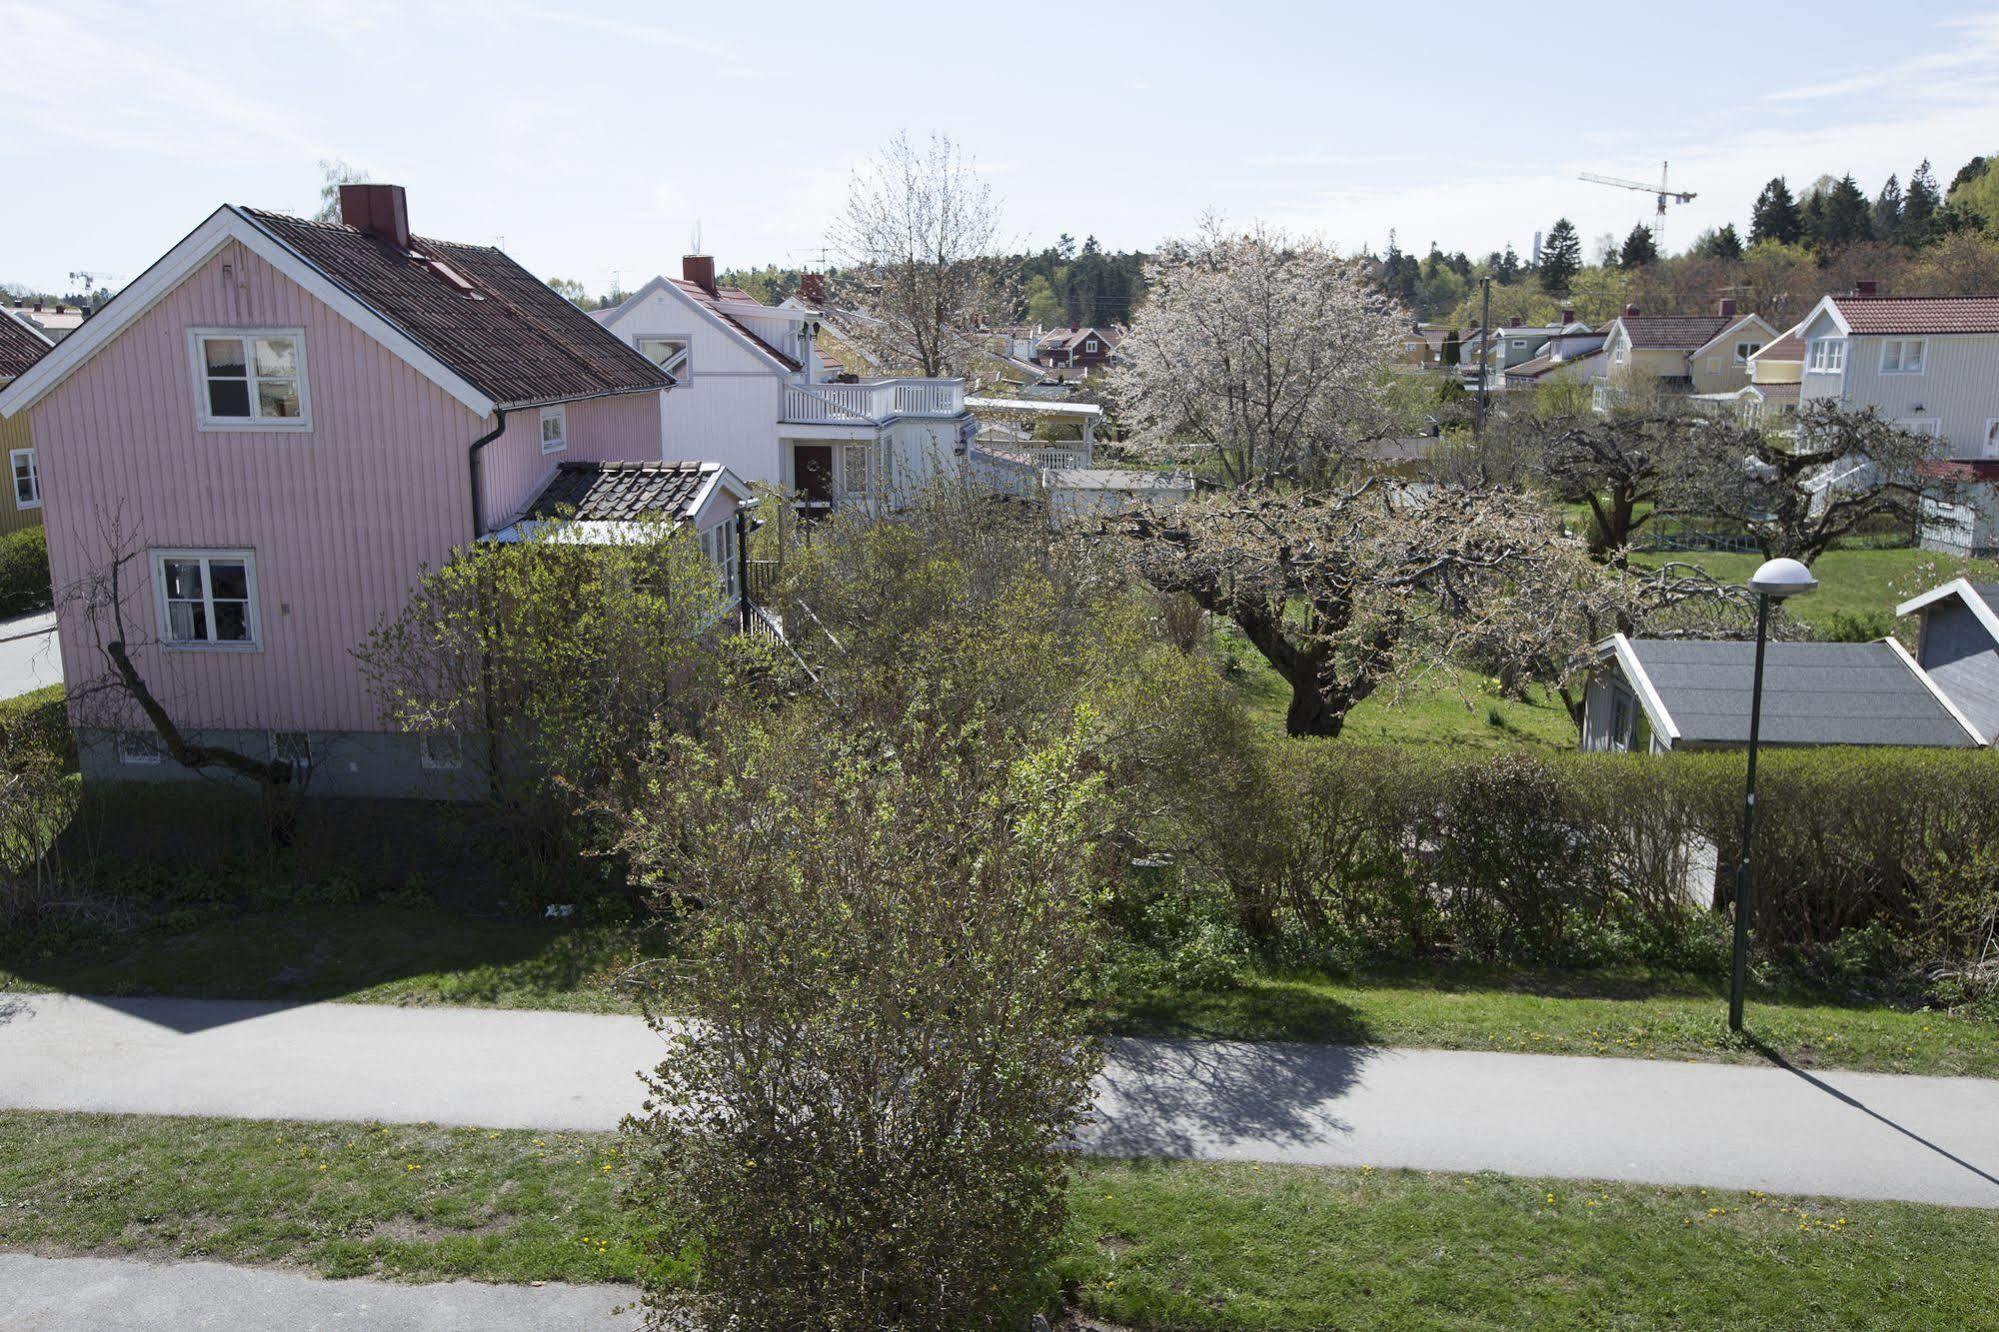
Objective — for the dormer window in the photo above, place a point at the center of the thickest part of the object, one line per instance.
(250, 379)
(1827, 356)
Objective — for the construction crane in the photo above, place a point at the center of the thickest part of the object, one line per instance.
(91, 279)
(1663, 192)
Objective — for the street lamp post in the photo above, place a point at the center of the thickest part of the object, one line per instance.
(1774, 581)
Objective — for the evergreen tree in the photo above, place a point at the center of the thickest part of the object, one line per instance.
(1452, 351)
(1720, 244)
(1969, 172)
(1776, 216)
(1845, 217)
(1561, 257)
(1508, 267)
(1887, 220)
(1639, 248)
(1920, 202)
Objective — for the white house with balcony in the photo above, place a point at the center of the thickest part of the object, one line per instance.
(1930, 364)
(755, 392)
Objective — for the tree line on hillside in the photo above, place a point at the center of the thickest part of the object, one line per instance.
(1915, 237)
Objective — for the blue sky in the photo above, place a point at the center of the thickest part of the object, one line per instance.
(595, 137)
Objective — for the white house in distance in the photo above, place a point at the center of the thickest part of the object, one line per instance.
(754, 392)
(1930, 364)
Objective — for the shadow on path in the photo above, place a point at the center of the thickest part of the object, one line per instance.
(1175, 1098)
(1820, 1084)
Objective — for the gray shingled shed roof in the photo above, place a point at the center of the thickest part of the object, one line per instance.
(1813, 694)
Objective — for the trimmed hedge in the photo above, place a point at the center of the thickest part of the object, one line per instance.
(24, 573)
(1569, 858)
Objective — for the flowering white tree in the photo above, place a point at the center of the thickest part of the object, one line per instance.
(922, 265)
(1262, 350)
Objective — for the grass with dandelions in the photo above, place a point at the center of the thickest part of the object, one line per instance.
(1150, 1245)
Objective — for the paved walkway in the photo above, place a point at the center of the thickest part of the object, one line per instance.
(1840, 1134)
(28, 655)
(115, 1294)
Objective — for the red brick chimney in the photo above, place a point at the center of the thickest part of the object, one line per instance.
(1726, 307)
(377, 210)
(812, 288)
(700, 270)
(1865, 287)
(1631, 310)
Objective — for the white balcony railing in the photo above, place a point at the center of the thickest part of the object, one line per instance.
(873, 402)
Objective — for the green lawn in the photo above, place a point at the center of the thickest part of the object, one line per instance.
(1152, 1245)
(374, 952)
(1851, 582)
(1629, 1012)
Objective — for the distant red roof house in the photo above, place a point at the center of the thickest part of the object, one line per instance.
(1077, 347)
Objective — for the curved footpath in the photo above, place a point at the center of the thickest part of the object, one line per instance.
(1858, 1135)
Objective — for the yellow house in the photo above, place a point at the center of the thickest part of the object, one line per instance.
(21, 345)
(1693, 354)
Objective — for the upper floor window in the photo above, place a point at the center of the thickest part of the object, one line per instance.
(27, 481)
(1745, 350)
(206, 598)
(1827, 357)
(1090, 345)
(251, 378)
(554, 429)
(1902, 356)
(670, 354)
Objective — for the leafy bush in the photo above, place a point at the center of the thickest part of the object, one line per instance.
(24, 573)
(860, 1124)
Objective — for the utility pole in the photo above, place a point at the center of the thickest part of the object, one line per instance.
(1484, 348)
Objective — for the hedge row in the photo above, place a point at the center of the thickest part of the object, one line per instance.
(24, 573)
(1423, 851)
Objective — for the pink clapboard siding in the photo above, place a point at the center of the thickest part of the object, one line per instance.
(513, 469)
(342, 518)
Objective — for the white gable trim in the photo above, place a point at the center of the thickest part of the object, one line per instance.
(1963, 590)
(721, 481)
(226, 224)
(1619, 646)
(1827, 305)
(664, 284)
(1937, 692)
(1770, 334)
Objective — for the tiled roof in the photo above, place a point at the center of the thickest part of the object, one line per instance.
(1069, 337)
(1919, 314)
(1790, 347)
(1778, 392)
(1673, 332)
(20, 346)
(510, 337)
(622, 491)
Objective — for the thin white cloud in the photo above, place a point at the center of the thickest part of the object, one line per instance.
(1976, 59)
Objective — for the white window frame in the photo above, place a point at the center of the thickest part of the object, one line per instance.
(1901, 346)
(1090, 345)
(198, 363)
(559, 413)
(849, 451)
(685, 360)
(435, 760)
(1617, 357)
(1827, 356)
(1714, 365)
(139, 749)
(253, 615)
(1744, 349)
(15, 476)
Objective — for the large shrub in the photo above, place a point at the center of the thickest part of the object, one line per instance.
(859, 1122)
(24, 572)
(1576, 857)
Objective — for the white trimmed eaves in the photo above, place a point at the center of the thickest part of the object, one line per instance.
(721, 481)
(661, 284)
(1619, 646)
(1829, 305)
(1936, 692)
(167, 273)
(1769, 333)
(1962, 589)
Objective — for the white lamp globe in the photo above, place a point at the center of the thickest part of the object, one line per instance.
(1782, 578)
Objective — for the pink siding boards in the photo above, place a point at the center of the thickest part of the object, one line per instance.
(341, 517)
(513, 469)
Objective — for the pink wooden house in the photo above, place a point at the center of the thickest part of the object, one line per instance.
(284, 421)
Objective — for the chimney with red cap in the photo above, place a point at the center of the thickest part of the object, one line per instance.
(380, 211)
(1725, 307)
(700, 270)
